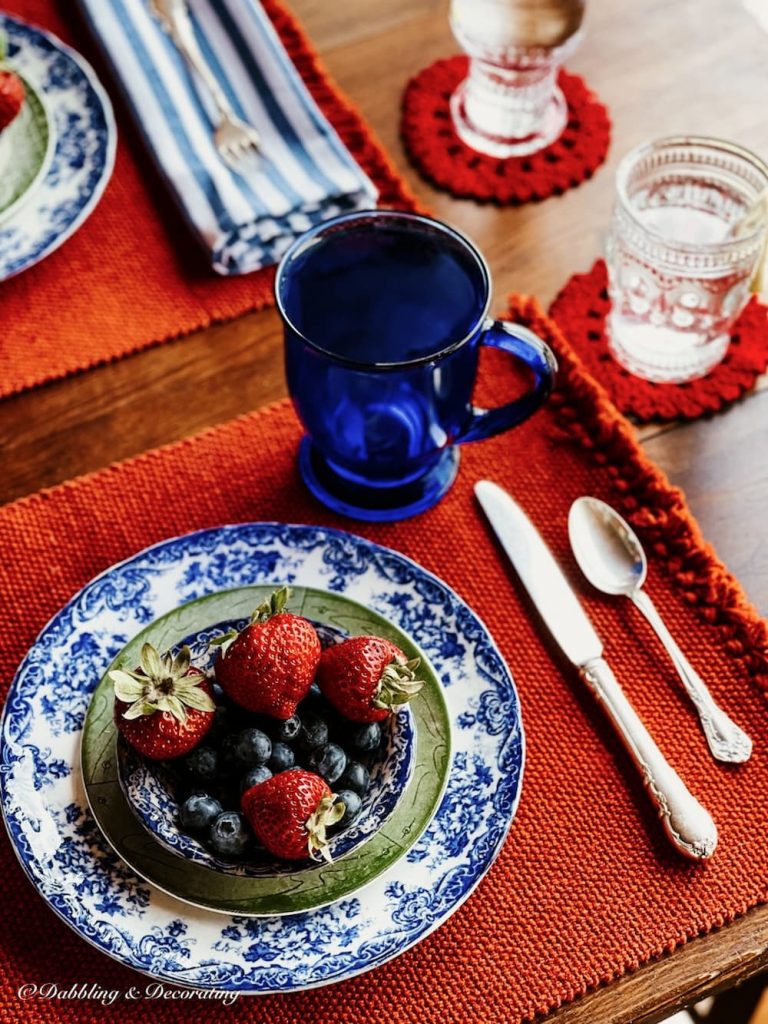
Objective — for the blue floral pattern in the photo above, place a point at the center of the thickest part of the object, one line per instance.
(85, 138)
(101, 875)
(463, 811)
(72, 866)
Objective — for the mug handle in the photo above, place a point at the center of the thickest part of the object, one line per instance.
(528, 347)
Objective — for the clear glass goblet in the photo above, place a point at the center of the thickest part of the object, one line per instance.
(510, 104)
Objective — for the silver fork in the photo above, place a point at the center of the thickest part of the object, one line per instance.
(233, 137)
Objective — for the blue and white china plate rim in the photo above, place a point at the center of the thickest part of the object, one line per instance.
(452, 887)
(36, 222)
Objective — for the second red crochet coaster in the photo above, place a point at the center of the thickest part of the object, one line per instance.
(441, 156)
(580, 310)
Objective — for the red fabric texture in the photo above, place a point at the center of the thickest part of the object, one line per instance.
(441, 156)
(587, 886)
(581, 308)
(133, 276)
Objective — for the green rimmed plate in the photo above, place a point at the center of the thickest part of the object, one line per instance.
(26, 149)
(308, 887)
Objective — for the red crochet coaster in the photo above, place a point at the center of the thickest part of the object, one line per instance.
(580, 310)
(441, 156)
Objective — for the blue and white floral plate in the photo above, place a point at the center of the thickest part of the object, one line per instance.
(82, 879)
(85, 139)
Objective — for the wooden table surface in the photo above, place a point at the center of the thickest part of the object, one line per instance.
(697, 66)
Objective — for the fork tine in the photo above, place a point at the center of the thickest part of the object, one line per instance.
(235, 140)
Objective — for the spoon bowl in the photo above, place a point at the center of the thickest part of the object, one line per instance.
(605, 546)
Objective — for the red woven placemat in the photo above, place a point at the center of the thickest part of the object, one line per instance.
(586, 885)
(581, 308)
(131, 278)
(441, 156)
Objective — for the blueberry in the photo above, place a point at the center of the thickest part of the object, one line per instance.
(366, 738)
(198, 811)
(256, 775)
(229, 834)
(252, 747)
(287, 731)
(328, 761)
(352, 806)
(202, 763)
(282, 758)
(314, 731)
(356, 777)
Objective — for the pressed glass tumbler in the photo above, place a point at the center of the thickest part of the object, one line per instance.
(679, 265)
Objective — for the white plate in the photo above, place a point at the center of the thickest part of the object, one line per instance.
(76, 872)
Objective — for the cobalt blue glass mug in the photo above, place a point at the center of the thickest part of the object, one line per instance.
(384, 315)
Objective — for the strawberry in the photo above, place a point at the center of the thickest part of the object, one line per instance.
(11, 97)
(269, 667)
(290, 813)
(165, 707)
(366, 678)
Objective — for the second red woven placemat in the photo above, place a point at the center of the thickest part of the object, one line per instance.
(131, 277)
(586, 886)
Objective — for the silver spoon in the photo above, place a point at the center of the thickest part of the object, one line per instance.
(612, 558)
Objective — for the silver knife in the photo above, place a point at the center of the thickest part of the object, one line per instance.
(687, 823)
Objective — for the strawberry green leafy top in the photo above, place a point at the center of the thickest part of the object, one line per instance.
(162, 683)
(398, 683)
(329, 811)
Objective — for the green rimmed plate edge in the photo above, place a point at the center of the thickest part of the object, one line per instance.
(35, 112)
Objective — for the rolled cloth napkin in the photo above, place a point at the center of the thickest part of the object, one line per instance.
(302, 174)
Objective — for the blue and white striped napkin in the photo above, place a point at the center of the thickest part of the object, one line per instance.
(304, 173)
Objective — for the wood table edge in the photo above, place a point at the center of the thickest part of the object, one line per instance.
(704, 966)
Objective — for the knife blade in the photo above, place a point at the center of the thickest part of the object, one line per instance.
(689, 825)
(542, 577)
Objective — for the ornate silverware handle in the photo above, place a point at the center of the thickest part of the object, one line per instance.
(687, 823)
(174, 17)
(726, 740)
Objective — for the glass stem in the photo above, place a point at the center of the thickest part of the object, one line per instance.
(508, 103)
